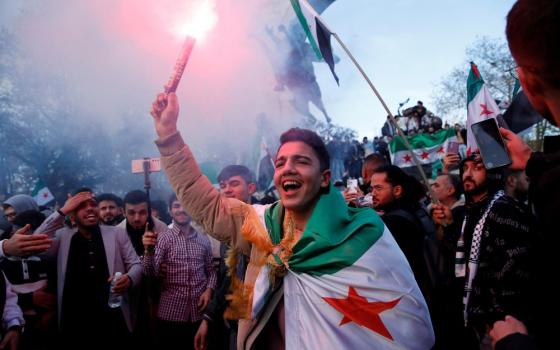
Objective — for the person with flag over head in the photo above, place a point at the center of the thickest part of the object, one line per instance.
(321, 274)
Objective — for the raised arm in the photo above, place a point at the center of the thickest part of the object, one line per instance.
(220, 217)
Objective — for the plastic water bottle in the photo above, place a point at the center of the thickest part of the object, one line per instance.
(115, 299)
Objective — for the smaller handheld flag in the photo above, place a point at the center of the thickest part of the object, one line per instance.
(41, 193)
(480, 104)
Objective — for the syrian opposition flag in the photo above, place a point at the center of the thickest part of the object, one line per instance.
(41, 193)
(348, 284)
(318, 34)
(429, 148)
(480, 105)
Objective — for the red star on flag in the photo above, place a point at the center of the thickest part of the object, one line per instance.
(358, 309)
(424, 155)
(441, 150)
(407, 158)
(45, 195)
(485, 110)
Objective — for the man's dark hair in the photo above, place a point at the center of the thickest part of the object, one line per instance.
(533, 34)
(110, 197)
(311, 139)
(457, 185)
(463, 133)
(494, 177)
(162, 210)
(236, 170)
(32, 217)
(81, 189)
(412, 189)
(172, 198)
(135, 197)
(375, 158)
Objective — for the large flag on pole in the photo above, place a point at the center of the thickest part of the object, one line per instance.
(480, 104)
(429, 148)
(317, 32)
(347, 285)
(41, 193)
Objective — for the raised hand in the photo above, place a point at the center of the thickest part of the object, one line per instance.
(23, 244)
(518, 150)
(73, 202)
(450, 160)
(165, 111)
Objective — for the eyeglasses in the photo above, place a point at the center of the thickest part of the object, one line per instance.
(10, 215)
(379, 188)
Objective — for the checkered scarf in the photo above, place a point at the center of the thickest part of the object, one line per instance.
(469, 271)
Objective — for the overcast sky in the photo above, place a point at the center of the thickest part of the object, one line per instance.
(405, 46)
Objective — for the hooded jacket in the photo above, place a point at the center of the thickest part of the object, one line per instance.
(21, 203)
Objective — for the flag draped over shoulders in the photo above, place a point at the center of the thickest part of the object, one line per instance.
(347, 284)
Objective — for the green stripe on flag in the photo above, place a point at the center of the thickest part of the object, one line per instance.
(474, 83)
(421, 140)
(38, 187)
(335, 237)
(303, 21)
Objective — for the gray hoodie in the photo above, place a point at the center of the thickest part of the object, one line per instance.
(21, 203)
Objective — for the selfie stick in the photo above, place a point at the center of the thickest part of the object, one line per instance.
(147, 186)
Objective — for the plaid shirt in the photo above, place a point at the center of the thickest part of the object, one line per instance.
(190, 271)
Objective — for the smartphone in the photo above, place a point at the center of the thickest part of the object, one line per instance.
(490, 143)
(352, 185)
(153, 164)
(453, 147)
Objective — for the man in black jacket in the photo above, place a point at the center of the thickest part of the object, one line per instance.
(495, 253)
(396, 196)
(533, 35)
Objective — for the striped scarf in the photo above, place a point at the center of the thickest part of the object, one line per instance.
(469, 271)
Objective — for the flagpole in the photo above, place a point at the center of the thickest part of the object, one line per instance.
(399, 130)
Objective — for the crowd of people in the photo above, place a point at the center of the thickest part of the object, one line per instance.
(372, 266)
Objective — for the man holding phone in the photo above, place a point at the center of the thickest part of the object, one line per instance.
(494, 256)
(533, 35)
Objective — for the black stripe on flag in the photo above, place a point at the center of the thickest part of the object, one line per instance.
(324, 38)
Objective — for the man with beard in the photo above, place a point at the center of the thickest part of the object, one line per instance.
(87, 257)
(495, 253)
(110, 209)
(396, 196)
(136, 218)
(144, 298)
(189, 282)
(305, 250)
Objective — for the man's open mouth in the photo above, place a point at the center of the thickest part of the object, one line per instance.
(290, 186)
